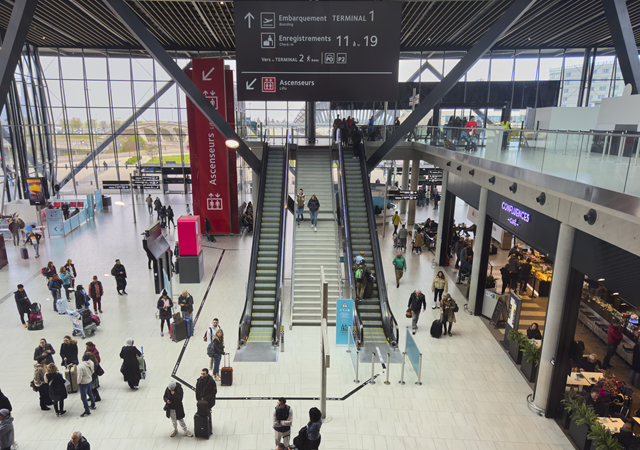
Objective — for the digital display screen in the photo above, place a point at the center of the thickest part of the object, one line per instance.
(36, 188)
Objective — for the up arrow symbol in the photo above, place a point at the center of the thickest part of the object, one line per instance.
(206, 77)
(249, 16)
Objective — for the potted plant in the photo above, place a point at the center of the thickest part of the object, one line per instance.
(531, 359)
(490, 283)
(585, 430)
(515, 340)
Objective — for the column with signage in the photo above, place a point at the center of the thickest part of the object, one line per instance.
(212, 189)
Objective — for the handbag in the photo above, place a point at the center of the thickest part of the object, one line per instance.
(33, 386)
(408, 314)
(456, 308)
(177, 318)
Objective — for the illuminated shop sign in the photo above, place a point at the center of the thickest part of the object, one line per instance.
(514, 215)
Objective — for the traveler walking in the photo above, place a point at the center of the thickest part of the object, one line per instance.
(164, 306)
(173, 395)
(361, 275)
(416, 300)
(163, 216)
(418, 242)
(400, 266)
(82, 300)
(44, 349)
(6, 430)
(23, 303)
(120, 274)
(614, 337)
(85, 376)
(97, 372)
(69, 351)
(14, 228)
(157, 206)
(33, 238)
(130, 366)
(186, 304)
(66, 281)
(54, 285)
(448, 309)
(282, 420)
(188, 210)
(402, 237)
(356, 139)
(71, 270)
(313, 206)
(395, 220)
(206, 388)
(300, 205)
(170, 217)
(215, 350)
(90, 347)
(370, 130)
(57, 388)
(96, 292)
(39, 383)
(149, 201)
(78, 442)
(438, 286)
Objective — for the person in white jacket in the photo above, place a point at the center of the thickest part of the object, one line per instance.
(209, 336)
(85, 373)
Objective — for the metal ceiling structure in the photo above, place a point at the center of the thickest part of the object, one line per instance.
(208, 26)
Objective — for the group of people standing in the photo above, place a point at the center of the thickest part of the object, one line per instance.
(165, 213)
(313, 205)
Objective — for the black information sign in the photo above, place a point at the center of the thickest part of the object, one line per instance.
(402, 194)
(497, 312)
(115, 184)
(320, 51)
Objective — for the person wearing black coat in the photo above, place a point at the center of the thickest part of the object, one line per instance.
(78, 442)
(206, 388)
(157, 206)
(533, 332)
(120, 274)
(23, 303)
(164, 311)
(4, 402)
(130, 366)
(69, 351)
(44, 349)
(163, 216)
(416, 300)
(635, 366)
(173, 406)
(170, 217)
(81, 298)
(57, 389)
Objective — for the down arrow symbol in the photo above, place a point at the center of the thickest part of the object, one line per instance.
(249, 86)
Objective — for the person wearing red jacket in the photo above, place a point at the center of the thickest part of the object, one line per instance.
(614, 337)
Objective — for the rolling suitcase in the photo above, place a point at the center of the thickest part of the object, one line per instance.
(178, 331)
(35, 324)
(226, 373)
(436, 329)
(71, 375)
(90, 329)
(24, 253)
(86, 317)
(61, 305)
(37, 317)
(95, 319)
(189, 322)
(202, 426)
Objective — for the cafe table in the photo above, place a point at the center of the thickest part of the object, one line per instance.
(613, 425)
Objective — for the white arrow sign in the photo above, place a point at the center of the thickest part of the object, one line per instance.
(249, 16)
(249, 86)
(206, 77)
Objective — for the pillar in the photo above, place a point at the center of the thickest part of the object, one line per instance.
(255, 190)
(444, 212)
(480, 255)
(404, 184)
(554, 317)
(415, 176)
(311, 122)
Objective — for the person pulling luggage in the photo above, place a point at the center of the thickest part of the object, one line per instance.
(23, 303)
(173, 395)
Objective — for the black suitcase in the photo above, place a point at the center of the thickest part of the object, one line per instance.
(178, 331)
(436, 329)
(226, 373)
(202, 426)
(86, 317)
(24, 253)
(35, 325)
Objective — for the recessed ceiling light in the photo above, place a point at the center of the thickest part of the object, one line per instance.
(44, 37)
(600, 279)
(107, 275)
(119, 203)
(232, 143)
(616, 293)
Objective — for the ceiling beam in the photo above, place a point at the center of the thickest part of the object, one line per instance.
(624, 41)
(205, 21)
(483, 12)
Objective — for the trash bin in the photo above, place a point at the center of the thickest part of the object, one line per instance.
(106, 201)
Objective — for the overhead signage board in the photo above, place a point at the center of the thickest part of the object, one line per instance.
(317, 51)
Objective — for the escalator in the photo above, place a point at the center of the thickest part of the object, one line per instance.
(374, 321)
(260, 320)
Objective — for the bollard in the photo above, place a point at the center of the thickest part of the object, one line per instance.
(402, 369)
(357, 367)
(373, 366)
(419, 382)
(388, 369)
(281, 339)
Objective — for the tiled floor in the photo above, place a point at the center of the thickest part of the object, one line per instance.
(472, 396)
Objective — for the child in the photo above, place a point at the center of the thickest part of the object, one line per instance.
(188, 210)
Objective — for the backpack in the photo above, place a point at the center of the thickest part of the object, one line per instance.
(21, 223)
(210, 349)
(360, 274)
(204, 338)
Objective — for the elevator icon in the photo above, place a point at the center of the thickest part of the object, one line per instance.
(214, 203)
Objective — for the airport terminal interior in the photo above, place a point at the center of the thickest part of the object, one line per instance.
(415, 222)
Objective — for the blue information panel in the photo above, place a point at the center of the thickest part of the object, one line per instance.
(98, 200)
(344, 320)
(54, 222)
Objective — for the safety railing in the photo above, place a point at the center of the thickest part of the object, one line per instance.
(415, 357)
(293, 253)
(354, 355)
(607, 160)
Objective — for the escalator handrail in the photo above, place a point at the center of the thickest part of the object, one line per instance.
(357, 321)
(389, 322)
(275, 336)
(245, 320)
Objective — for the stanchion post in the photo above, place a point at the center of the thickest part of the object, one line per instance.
(133, 200)
(373, 365)
(419, 383)
(402, 369)
(357, 366)
(388, 369)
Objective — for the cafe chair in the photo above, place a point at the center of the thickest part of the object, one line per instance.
(621, 403)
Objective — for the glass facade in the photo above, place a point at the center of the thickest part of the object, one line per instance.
(83, 116)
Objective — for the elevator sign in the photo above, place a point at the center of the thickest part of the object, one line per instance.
(320, 51)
